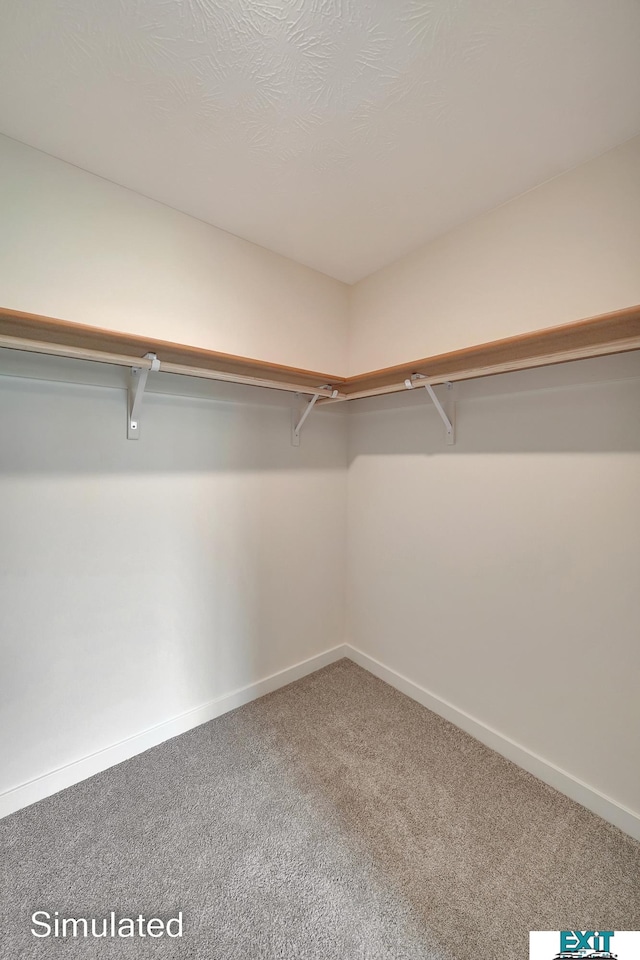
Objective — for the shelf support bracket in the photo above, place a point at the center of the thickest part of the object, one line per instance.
(448, 416)
(137, 384)
(297, 422)
(448, 420)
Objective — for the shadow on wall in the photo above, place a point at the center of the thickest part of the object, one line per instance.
(50, 427)
(582, 407)
(58, 427)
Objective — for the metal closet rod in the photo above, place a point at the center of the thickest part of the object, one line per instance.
(142, 363)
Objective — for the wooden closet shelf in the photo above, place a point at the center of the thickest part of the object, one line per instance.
(616, 332)
(80, 340)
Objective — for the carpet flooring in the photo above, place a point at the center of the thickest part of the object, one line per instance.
(335, 819)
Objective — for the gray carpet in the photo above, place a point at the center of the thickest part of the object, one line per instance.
(332, 820)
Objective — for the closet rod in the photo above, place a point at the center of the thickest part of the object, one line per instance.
(141, 363)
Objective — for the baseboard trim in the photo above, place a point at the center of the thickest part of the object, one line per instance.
(610, 810)
(44, 786)
(49, 783)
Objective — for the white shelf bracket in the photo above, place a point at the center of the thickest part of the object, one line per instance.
(297, 421)
(137, 384)
(447, 416)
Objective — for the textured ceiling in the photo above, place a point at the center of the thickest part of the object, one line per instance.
(341, 133)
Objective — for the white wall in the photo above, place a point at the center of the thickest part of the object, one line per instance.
(567, 250)
(139, 580)
(501, 574)
(142, 580)
(79, 248)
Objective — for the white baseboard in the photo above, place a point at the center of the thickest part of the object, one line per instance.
(78, 770)
(605, 807)
(610, 810)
